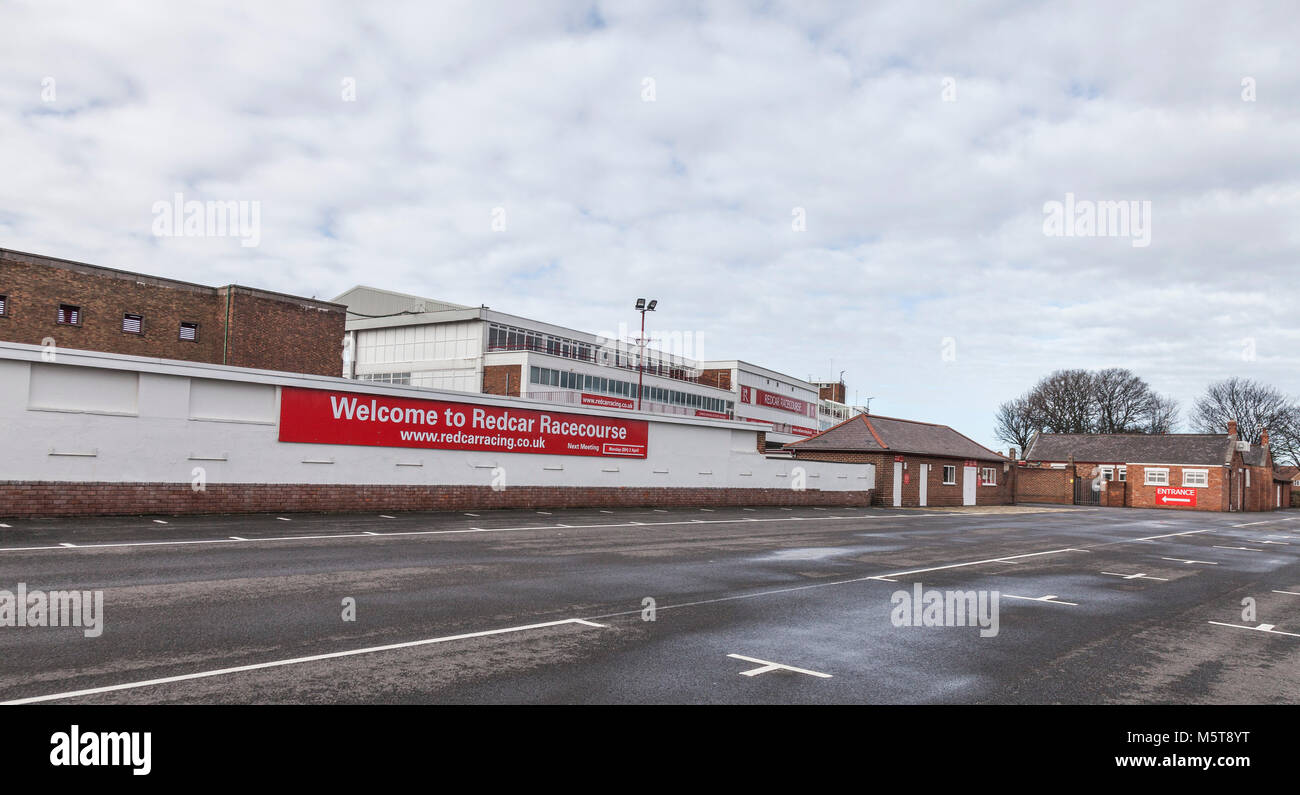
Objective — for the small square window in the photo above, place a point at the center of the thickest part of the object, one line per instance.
(190, 332)
(69, 315)
(949, 475)
(4, 305)
(132, 324)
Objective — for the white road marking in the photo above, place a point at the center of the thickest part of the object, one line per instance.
(472, 514)
(1171, 535)
(386, 516)
(1135, 576)
(659, 510)
(1007, 559)
(295, 660)
(1049, 598)
(544, 513)
(1289, 593)
(1252, 524)
(4, 525)
(159, 521)
(1244, 549)
(1261, 628)
(237, 538)
(1283, 543)
(765, 666)
(707, 510)
(282, 519)
(368, 533)
(1180, 560)
(606, 511)
(66, 544)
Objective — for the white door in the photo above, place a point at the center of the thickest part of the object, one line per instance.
(1279, 496)
(898, 483)
(968, 486)
(924, 474)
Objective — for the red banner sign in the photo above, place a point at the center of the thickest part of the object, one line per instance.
(799, 430)
(317, 416)
(717, 415)
(783, 402)
(1185, 498)
(607, 401)
(745, 394)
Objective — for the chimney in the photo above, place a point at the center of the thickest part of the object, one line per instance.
(1011, 453)
(1232, 428)
(1264, 438)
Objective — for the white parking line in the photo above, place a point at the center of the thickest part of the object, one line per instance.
(294, 661)
(1049, 598)
(1180, 560)
(1252, 524)
(1135, 576)
(1171, 535)
(1261, 628)
(1243, 549)
(765, 666)
(238, 538)
(1007, 559)
(1289, 593)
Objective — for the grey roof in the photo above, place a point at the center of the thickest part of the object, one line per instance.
(866, 433)
(1256, 456)
(1138, 448)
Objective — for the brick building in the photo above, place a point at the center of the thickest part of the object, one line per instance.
(88, 307)
(918, 464)
(1190, 471)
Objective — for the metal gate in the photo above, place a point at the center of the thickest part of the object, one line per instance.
(1085, 493)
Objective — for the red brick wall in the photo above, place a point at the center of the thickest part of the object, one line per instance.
(832, 392)
(1208, 498)
(35, 291)
(1044, 485)
(267, 331)
(283, 333)
(41, 499)
(718, 378)
(938, 495)
(496, 377)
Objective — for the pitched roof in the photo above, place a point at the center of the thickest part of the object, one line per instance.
(1286, 473)
(1140, 448)
(867, 433)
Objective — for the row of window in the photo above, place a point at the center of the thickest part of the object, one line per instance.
(1191, 477)
(387, 378)
(546, 376)
(988, 475)
(510, 338)
(70, 315)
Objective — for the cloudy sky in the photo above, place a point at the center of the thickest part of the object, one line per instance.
(810, 187)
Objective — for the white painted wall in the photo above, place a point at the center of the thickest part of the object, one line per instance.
(106, 417)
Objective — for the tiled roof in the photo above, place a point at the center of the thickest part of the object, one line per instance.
(1138, 448)
(867, 433)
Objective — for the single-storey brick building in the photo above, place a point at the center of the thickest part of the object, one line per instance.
(1197, 471)
(918, 464)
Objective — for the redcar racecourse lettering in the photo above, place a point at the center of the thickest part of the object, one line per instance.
(317, 416)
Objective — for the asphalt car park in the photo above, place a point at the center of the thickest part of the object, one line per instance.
(727, 605)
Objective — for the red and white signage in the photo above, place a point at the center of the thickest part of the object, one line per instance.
(772, 400)
(1169, 495)
(318, 416)
(717, 415)
(608, 402)
(799, 430)
(745, 395)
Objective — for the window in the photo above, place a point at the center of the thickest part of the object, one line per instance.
(1108, 473)
(988, 476)
(1123, 474)
(190, 332)
(949, 475)
(4, 304)
(69, 315)
(1196, 477)
(534, 376)
(132, 324)
(1156, 477)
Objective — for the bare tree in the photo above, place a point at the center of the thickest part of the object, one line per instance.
(1113, 400)
(1254, 406)
(1016, 423)
(1064, 402)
